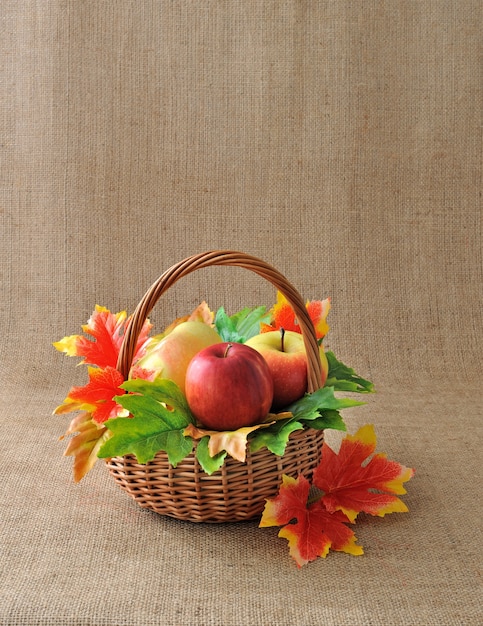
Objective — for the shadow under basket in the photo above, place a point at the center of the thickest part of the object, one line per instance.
(236, 492)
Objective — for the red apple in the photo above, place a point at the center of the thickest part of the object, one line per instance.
(228, 386)
(286, 358)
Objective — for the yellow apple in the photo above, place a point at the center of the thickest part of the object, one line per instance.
(170, 357)
(287, 361)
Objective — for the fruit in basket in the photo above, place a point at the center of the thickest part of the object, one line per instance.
(284, 352)
(170, 356)
(229, 386)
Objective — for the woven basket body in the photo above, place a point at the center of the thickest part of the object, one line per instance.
(238, 490)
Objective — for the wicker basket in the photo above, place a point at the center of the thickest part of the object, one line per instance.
(237, 491)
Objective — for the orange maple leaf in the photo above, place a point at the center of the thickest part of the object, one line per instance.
(309, 528)
(107, 330)
(283, 316)
(356, 480)
(97, 396)
(96, 403)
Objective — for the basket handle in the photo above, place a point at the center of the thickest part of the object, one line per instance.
(228, 258)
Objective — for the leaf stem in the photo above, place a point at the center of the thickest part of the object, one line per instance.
(315, 494)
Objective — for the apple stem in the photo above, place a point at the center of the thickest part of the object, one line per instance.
(225, 354)
(282, 335)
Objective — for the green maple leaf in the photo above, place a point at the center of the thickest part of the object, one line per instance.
(209, 463)
(344, 378)
(275, 437)
(313, 405)
(328, 419)
(318, 410)
(159, 416)
(163, 390)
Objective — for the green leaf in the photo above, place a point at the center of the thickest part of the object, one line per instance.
(275, 437)
(226, 327)
(328, 419)
(239, 327)
(162, 390)
(166, 418)
(209, 463)
(144, 437)
(344, 378)
(316, 410)
(160, 415)
(248, 320)
(310, 406)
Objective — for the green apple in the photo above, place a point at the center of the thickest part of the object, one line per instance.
(170, 356)
(284, 352)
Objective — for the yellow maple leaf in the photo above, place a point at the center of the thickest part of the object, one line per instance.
(232, 441)
(202, 313)
(84, 446)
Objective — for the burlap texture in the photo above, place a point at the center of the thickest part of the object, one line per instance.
(339, 141)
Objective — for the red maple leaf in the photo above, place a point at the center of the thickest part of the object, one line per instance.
(283, 316)
(309, 528)
(346, 484)
(356, 480)
(97, 396)
(107, 331)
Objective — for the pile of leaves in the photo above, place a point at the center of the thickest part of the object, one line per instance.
(316, 516)
(147, 414)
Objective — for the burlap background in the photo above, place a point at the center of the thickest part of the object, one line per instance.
(338, 140)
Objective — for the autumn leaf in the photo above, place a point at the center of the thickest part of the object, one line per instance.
(356, 480)
(68, 345)
(84, 446)
(309, 528)
(232, 441)
(318, 311)
(314, 517)
(141, 372)
(202, 313)
(107, 331)
(283, 316)
(97, 396)
(159, 416)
